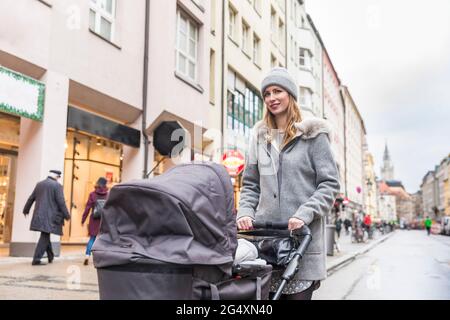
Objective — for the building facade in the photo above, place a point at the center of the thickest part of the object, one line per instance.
(305, 58)
(418, 205)
(429, 194)
(435, 190)
(354, 135)
(370, 187)
(81, 92)
(387, 207)
(109, 76)
(335, 115)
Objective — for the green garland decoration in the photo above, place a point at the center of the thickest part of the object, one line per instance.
(38, 115)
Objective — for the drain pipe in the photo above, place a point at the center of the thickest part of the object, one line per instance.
(222, 91)
(145, 88)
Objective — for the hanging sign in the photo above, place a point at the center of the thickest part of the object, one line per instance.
(21, 95)
(234, 162)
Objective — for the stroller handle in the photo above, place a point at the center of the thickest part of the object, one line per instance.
(303, 231)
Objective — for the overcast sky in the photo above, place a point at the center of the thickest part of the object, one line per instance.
(394, 55)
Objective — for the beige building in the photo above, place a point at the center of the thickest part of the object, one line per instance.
(252, 42)
(429, 194)
(304, 62)
(435, 190)
(77, 51)
(387, 207)
(370, 187)
(106, 79)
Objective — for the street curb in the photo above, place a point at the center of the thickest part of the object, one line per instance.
(14, 260)
(352, 256)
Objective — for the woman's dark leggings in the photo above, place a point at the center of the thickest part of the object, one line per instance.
(304, 295)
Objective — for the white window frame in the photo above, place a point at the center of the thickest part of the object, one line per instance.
(256, 49)
(273, 25)
(273, 61)
(190, 24)
(281, 32)
(246, 32)
(306, 58)
(257, 6)
(303, 101)
(232, 20)
(99, 8)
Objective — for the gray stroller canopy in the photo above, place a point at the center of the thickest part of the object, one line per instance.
(184, 216)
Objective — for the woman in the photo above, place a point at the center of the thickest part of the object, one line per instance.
(95, 200)
(290, 176)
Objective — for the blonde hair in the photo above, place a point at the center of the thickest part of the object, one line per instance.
(293, 116)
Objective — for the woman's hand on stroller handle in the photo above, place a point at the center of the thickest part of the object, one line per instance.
(295, 223)
(248, 223)
(245, 223)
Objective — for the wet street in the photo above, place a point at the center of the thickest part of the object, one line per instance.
(409, 265)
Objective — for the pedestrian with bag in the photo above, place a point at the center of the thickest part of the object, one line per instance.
(94, 207)
(49, 214)
(290, 177)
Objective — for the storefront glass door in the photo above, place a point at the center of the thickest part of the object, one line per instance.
(7, 193)
(87, 158)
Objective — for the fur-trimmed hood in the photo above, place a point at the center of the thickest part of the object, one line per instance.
(309, 128)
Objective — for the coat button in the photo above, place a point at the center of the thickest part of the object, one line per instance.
(274, 195)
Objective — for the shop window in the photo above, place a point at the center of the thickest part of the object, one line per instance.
(9, 143)
(86, 159)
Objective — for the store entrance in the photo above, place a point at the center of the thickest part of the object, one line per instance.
(9, 147)
(86, 159)
(8, 163)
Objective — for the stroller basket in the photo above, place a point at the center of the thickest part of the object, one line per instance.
(153, 280)
(267, 231)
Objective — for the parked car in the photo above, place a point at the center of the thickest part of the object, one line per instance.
(445, 226)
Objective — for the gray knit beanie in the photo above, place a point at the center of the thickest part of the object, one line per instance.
(280, 77)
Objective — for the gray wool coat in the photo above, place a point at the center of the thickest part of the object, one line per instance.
(301, 181)
(50, 209)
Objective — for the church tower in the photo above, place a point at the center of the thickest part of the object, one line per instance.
(387, 170)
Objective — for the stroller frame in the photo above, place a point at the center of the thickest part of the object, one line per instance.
(270, 229)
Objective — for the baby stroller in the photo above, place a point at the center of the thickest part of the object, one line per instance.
(173, 237)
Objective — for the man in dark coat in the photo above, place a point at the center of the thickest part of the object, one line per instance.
(49, 214)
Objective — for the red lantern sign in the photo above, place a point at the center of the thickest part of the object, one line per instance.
(234, 162)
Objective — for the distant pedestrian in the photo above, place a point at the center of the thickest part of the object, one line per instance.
(428, 223)
(48, 215)
(368, 224)
(347, 225)
(94, 206)
(338, 225)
